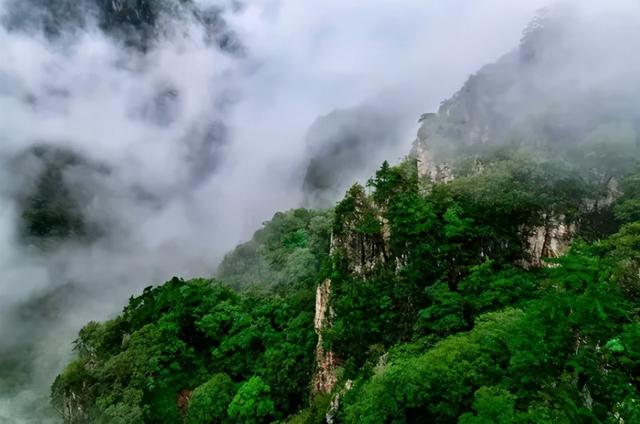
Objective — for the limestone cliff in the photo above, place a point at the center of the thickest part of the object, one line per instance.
(325, 377)
(550, 240)
(429, 169)
(75, 408)
(359, 243)
(360, 234)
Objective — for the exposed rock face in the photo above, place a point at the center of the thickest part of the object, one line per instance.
(182, 400)
(73, 409)
(334, 406)
(360, 233)
(325, 377)
(551, 240)
(613, 192)
(363, 252)
(428, 168)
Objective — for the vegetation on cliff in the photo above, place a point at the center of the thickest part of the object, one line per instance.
(439, 311)
(491, 277)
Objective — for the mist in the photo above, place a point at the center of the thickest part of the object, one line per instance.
(572, 79)
(194, 134)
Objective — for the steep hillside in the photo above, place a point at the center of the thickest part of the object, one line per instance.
(290, 250)
(53, 187)
(424, 287)
(559, 89)
(345, 146)
(491, 277)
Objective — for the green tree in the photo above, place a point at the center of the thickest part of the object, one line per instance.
(252, 405)
(492, 405)
(209, 401)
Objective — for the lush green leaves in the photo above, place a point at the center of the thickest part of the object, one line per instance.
(252, 404)
(288, 251)
(209, 401)
(192, 336)
(437, 312)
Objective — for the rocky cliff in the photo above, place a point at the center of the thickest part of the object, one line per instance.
(325, 377)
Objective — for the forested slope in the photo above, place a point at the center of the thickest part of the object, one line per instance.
(492, 276)
(439, 311)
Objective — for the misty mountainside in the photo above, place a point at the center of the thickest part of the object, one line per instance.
(290, 249)
(137, 23)
(50, 188)
(557, 90)
(412, 305)
(79, 81)
(492, 276)
(341, 146)
(50, 197)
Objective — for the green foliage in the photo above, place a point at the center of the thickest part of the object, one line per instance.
(289, 250)
(610, 150)
(492, 405)
(315, 413)
(252, 404)
(209, 401)
(487, 288)
(566, 356)
(439, 385)
(628, 207)
(195, 336)
(437, 311)
(50, 206)
(441, 258)
(453, 255)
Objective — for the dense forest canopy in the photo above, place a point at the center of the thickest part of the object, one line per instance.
(440, 309)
